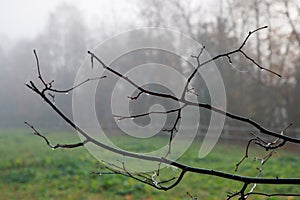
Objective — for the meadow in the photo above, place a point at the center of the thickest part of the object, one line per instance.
(29, 169)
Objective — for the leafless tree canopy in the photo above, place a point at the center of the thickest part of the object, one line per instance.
(255, 45)
(47, 91)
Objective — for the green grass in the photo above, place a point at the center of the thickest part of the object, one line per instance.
(31, 170)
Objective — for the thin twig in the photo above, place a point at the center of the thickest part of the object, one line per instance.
(65, 146)
(280, 140)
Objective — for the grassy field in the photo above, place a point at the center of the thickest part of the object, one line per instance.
(31, 170)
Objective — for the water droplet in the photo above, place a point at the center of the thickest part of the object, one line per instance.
(147, 94)
(261, 69)
(100, 174)
(174, 168)
(53, 148)
(118, 120)
(132, 118)
(67, 93)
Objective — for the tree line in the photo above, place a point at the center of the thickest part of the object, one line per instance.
(67, 36)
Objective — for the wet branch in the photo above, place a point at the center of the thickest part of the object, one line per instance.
(64, 146)
(198, 104)
(46, 93)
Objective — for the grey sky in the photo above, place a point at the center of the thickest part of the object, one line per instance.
(26, 18)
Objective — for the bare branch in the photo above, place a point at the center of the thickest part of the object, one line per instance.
(47, 93)
(121, 117)
(76, 86)
(183, 167)
(246, 154)
(266, 145)
(274, 195)
(135, 97)
(207, 106)
(65, 146)
(38, 68)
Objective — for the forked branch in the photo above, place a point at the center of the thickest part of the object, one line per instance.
(48, 91)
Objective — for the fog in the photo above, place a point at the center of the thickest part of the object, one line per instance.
(26, 19)
(63, 31)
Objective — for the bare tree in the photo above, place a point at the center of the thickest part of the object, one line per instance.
(275, 141)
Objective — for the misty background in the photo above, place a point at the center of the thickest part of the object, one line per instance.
(63, 31)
